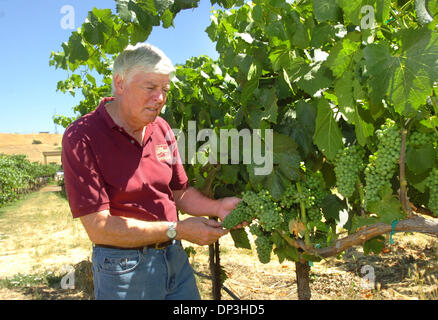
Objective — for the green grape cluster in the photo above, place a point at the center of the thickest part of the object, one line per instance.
(314, 214)
(291, 197)
(348, 163)
(290, 214)
(270, 217)
(255, 201)
(417, 138)
(265, 210)
(314, 183)
(432, 184)
(383, 162)
(255, 205)
(238, 215)
(312, 194)
(264, 248)
(256, 229)
(267, 215)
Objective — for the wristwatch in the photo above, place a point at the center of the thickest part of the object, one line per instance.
(171, 231)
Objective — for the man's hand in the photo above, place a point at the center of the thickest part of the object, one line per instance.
(195, 203)
(225, 206)
(199, 230)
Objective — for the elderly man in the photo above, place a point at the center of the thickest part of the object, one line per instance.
(122, 186)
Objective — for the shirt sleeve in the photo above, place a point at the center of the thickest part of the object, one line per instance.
(84, 185)
(179, 179)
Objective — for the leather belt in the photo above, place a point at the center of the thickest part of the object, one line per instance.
(159, 246)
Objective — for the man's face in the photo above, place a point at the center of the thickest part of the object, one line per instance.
(143, 96)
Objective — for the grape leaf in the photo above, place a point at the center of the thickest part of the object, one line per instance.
(77, 50)
(321, 34)
(328, 136)
(92, 33)
(407, 77)
(296, 31)
(240, 238)
(252, 82)
(316, 77)
(325, 10)
(420, 159)
(265, 109)
(139, 34)
(375, 245)
(362, 128)
(286, 156)
(388, 208)
(297, 228)
(383, 10)
(229, 173)
(342, 55)
(354, 10)
(284, 250)
(332, 206)
(167, 18)
(286, 162)
(123, 11)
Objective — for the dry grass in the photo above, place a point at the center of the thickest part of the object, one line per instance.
(39, 234)
(11, 143)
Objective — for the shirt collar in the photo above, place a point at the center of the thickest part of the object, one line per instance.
(101, 110)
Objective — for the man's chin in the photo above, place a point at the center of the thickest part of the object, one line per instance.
(150, 119)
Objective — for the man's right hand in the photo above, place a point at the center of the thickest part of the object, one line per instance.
(200, 230)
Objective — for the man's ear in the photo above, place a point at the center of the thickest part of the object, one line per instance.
(119, 84)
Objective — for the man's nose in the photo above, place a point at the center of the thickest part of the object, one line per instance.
(158, 95)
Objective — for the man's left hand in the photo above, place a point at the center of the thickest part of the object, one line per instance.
(226, 205)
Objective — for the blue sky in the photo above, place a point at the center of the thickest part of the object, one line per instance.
(30, 30)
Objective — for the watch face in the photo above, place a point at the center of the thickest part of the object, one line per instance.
(171, 233)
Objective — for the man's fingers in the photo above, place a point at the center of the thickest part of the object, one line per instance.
(213, 223)
(241, 225)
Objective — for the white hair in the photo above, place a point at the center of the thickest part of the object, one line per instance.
(141, 57)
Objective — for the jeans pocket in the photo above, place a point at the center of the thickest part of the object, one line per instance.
(117, 263)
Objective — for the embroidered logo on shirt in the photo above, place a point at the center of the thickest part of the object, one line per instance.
(162, 152)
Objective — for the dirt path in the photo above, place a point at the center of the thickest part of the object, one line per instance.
(50, 188)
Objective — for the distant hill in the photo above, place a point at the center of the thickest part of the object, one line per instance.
(32, 145)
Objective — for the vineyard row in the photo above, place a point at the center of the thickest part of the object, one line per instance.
(19, 176)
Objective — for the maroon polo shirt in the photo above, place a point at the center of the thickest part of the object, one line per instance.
(106, 168)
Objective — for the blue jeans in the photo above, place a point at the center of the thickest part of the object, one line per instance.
(148, 274)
